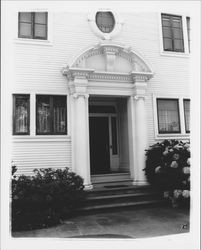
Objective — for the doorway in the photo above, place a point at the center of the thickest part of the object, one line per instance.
(108, 135)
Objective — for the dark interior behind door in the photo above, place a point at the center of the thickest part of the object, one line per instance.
(99, 145)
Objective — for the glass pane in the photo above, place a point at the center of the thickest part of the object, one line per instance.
(25, 30)
(40, 17)
(176, 22)
(177, 33)
(21, 115)
(40, 31)
(167, 32)
(25, 17)
(59, 116)
(167, 44)
(43, 115)
(178, 45)
(168, 116)
(166, 22)
(187, 114)
(105, 21)
(114, 136)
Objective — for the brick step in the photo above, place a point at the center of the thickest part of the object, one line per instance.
(124, 182)
(121, 198)
(113, 177)
(118, 189)
(103, 207)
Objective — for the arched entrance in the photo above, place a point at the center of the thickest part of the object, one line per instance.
(108, 72)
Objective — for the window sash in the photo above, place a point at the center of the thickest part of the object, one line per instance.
(53, 122)
(21, 117)
(172, 33)
(186, 103)
(168, 116)
(33, 24)
(188, 31)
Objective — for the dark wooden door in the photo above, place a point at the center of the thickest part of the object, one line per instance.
(99, 145)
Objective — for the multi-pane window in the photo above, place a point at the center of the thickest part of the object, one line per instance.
(188, 31)
(172, 33)
(21, 113)
(168, 116)
(32, 25)
(187, 115)
(105, 21)
(51, 115)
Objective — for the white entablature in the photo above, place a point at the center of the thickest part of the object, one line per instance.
(109, 62)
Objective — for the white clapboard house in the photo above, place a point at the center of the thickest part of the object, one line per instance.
(93, 89)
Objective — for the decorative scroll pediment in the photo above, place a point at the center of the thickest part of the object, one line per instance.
(109, 62)
(111, 58)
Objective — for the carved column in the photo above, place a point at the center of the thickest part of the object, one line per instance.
(81, 144)
(80, 126)
(141, 133)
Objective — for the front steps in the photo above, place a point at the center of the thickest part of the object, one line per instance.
(111, 179)
(117, 194)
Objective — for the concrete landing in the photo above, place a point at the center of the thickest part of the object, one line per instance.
(124, 223)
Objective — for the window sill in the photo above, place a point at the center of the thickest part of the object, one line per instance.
(33, 41)
(172, 136)
(41, 138)
(175, 54)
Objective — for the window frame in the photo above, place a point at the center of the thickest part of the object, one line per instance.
(14, 114)
(98, 16)
(169, 132)
(186, 99)
(51, 115)
(33, 37)
(182, 135)
(171, 16)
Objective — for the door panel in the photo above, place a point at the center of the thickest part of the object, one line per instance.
(99, 145)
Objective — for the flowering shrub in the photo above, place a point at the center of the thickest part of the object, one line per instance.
(168, 169)
(44, 199)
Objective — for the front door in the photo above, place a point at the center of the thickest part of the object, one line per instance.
(99, 145)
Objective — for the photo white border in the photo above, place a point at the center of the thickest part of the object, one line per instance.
(182, 241)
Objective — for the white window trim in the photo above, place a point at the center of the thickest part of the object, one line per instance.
(182, 134)
(33, 116)
(48, 42)
(185, 36)
(106, 36)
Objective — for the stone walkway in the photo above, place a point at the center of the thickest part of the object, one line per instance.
(124, 223)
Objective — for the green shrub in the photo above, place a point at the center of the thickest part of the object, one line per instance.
(45, 198)
(168, 169)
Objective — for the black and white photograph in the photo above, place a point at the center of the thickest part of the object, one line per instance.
(100, 125)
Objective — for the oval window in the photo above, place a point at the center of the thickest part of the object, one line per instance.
(105, 21)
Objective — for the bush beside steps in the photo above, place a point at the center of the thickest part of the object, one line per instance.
(44, 199)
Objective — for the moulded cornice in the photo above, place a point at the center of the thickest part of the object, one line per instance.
(141, 76)
(91, 75)
(72, 73)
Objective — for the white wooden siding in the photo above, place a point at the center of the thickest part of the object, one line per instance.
(33, 153)
(38, 70)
